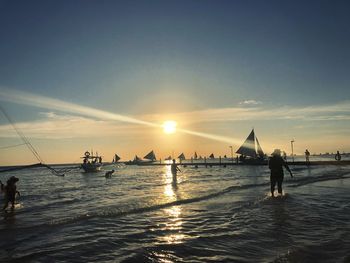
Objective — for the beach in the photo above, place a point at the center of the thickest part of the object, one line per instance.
(212, 214)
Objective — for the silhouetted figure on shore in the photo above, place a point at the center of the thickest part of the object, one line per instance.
(307, 156)
(276, 164)
(10, 191)
(338, 156)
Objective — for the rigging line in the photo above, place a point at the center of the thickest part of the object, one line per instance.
(11, 146)
(29, 145)
(22, 136)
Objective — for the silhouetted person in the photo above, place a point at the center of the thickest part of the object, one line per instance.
(109, 174)
(10, 192)
(307, 156)
(174, 170)
(284, 156)
(338, 156)
(276, 164)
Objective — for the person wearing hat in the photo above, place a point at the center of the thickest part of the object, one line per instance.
(10, 191)
(276, 164)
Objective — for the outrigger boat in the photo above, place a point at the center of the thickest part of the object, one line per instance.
(91, 163)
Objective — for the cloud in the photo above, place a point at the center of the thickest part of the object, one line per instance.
(38, 101)
(82, 121)
(250, 102)
(335, 112)
(57, 126)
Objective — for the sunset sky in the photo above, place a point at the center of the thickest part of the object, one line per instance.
(105, 75)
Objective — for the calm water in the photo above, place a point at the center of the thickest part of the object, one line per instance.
(210, 215)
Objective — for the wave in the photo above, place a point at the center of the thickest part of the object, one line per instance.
(335, 250)
(320, 178)
(122, 211)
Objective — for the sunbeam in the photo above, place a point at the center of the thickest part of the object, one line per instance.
(24, 98)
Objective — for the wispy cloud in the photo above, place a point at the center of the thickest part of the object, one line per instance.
(51, 125)
(24, 98)
(82, 121)
(335, 112)
(20, 97)
(250, 102)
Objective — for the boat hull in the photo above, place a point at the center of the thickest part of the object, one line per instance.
(91, 167)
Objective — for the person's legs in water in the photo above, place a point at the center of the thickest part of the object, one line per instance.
(279, 185)
(6, 203)
(273, 183)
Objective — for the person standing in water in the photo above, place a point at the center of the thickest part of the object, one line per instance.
(174, 170)
(307, 156)
(10, 192)
(276, 164)
(338, 156)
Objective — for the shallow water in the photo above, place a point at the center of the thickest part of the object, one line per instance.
(210, 215)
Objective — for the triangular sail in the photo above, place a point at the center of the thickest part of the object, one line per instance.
(137, 159)
(150, 156)
(195, 155)
(116, 158)
(211, 156)
(181, 156)
(248, 147)
(259, 149)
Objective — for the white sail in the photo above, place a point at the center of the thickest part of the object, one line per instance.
(259, 150)
(248, 147)
(251, 147)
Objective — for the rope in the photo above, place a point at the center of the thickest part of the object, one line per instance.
(30, 147)
(58, 172)
(22, 136)
(10, 146)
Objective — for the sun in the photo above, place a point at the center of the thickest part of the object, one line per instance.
(169, 127)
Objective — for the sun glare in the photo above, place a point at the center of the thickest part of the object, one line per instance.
(169, 127)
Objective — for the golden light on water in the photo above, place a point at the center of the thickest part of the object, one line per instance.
(173, 214)
(169, 127)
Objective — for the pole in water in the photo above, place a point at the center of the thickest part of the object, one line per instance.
(291, 143)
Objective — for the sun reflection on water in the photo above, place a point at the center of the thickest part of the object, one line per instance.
(174, 221)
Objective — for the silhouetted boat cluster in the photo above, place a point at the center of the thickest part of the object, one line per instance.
(250, 153)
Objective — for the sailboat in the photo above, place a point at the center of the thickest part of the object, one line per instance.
(150, 156)
(211, 156)
(195, 156)
(168, 158)
(181, 157)
(116, 158)
(251, 151)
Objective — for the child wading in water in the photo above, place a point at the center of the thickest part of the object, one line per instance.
(10, 191)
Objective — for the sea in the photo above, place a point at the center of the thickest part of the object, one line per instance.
(208, 214)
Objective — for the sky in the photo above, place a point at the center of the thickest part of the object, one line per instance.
(104, 75)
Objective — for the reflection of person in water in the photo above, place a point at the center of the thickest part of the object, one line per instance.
(10, 192)
(276, 164)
